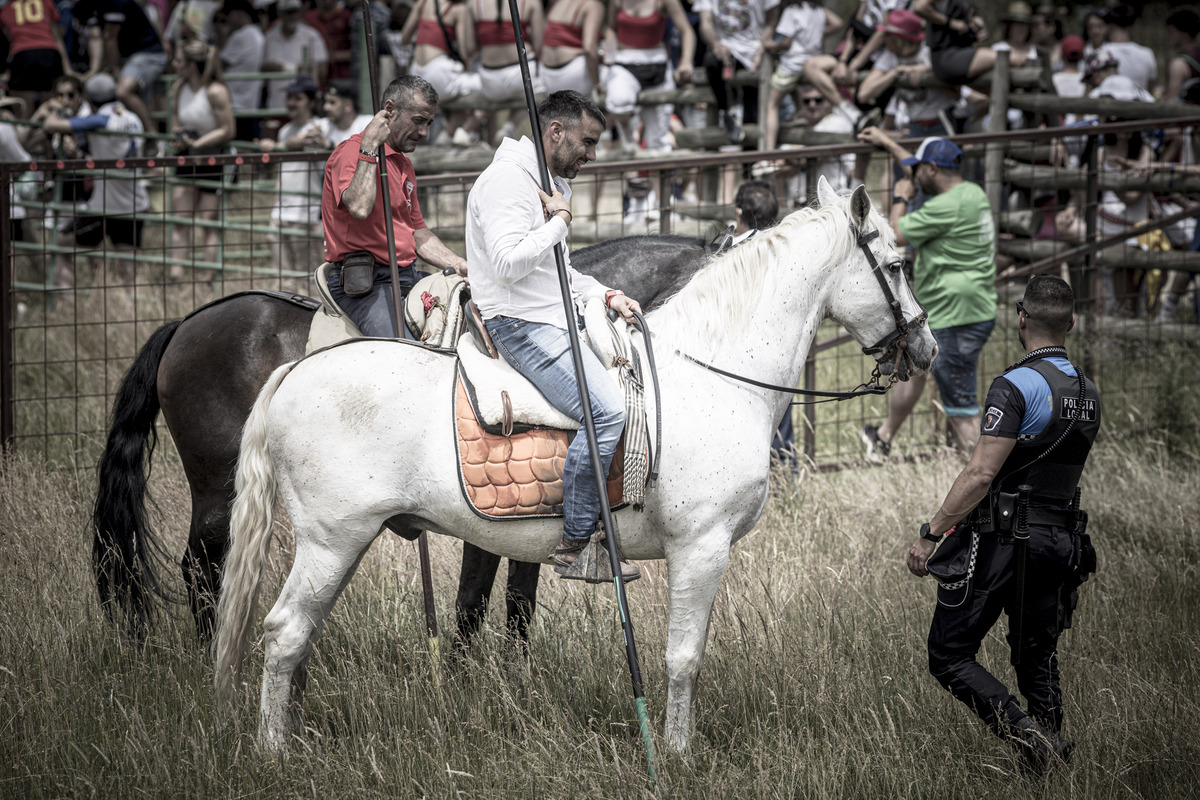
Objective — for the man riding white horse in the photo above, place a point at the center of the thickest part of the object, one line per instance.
(512, 229)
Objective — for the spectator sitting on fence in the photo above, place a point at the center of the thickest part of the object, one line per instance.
(120, 31)
(202, 116)
(1183, 26)
(1018, 40)
(640, 62)
(1136, 61)
(332, 20)
(953, 279)
(36, 54)
(904, 62)
(297, 212)
(1047, 34)
(432, 27)
(486, 31)
(864, 38)
(342, 119)
(111, 210)
(803, 26)
(735, 32)
(570, 54)
(954, 35)
(291, 45)
(241, 49)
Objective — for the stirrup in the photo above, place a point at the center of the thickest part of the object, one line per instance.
(593, 565)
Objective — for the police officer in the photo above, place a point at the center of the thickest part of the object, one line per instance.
(1038, 427)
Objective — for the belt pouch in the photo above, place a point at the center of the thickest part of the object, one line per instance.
(358, 274)
(1004, 511)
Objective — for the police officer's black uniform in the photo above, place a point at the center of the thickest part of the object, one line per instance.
(1034, 402)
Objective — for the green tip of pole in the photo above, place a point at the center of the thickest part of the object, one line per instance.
(647, 735)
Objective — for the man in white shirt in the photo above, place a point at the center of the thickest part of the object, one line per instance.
(342, 119)
(241, 49)
(512, 230)
(1136, 62)
(292, 46)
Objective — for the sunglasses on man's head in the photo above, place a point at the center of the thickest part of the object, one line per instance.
(1021, 310)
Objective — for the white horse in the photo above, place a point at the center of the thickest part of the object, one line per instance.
(365, 434)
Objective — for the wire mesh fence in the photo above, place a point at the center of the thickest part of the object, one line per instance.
(85, 284)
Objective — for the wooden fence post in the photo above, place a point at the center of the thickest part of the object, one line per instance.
(997, 121)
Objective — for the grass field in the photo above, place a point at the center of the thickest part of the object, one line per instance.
(814, 683)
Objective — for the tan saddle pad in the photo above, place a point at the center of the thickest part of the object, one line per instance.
(517, 476)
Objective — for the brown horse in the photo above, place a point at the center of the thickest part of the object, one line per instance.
(203, 374)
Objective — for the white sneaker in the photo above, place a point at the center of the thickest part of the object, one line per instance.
(464, 139)
(507, 131)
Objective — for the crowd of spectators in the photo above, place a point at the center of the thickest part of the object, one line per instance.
(296, 83)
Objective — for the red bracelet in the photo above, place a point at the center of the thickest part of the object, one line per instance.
(609, 295)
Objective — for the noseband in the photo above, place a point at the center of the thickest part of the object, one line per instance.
(898, 338)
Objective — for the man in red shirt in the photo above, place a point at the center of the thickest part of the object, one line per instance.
(333, 21)
(352, 209)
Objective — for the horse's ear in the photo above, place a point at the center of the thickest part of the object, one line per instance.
(825, 193)
(860, 206)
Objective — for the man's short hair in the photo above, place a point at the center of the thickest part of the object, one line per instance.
(1049, 303)
(1121, 16)
(569, 107)
(757, 204)
(1185, 20)
(406, 89)
(344, 88)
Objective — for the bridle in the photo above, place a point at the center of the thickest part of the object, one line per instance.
(898, 338)
(896, 341)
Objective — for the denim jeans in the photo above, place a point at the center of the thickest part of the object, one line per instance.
(956, 368)
(542, 353)
(373, 313)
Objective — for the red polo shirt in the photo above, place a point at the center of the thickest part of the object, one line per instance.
(343, 233)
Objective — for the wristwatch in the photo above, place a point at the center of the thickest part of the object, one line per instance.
(928, 536)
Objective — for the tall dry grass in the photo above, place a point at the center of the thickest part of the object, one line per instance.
(814, 683)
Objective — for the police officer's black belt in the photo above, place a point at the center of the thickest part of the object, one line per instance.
(1060, 518)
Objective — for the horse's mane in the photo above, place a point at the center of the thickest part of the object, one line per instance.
(740, 278)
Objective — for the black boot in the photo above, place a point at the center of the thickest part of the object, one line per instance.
(1039, 747)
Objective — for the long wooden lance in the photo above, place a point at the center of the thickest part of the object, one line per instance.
(431, 624)
(589, 425)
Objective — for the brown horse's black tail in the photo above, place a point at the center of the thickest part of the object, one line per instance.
(125, 552)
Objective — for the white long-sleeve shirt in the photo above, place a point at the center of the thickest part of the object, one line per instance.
(510, 243)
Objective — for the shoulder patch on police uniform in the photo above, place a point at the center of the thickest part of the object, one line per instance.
(1087, 412)
(991, 420)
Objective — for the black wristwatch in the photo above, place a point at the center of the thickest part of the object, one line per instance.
(928, 536)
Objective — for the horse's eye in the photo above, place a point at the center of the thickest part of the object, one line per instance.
(895, 264)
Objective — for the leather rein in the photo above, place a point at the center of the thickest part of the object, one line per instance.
(894, 342)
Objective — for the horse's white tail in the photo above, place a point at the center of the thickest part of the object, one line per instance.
(249, 539)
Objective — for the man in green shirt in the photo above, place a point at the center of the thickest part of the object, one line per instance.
(954, 278)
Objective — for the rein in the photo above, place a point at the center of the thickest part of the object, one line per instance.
(897, 340)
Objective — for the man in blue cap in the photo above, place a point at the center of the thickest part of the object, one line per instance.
(953, 277)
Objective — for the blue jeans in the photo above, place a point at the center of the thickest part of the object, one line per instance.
(542, 353)
(956, 368)
(373, 312)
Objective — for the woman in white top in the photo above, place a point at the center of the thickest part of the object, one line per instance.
(202, 115)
